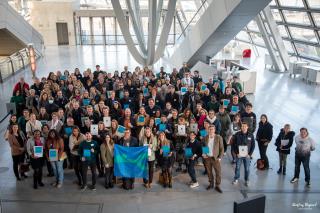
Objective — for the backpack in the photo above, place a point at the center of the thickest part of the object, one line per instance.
(260, 164)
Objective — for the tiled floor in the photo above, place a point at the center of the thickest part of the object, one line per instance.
(283, 99)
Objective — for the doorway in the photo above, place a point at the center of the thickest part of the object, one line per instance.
(62, 33)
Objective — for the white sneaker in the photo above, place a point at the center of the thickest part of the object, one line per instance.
(235, 182)
(293, 180)
(54, 184)
(246, 183)
(194, 185)
(59, 185)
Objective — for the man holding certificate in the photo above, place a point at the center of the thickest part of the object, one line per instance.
(243, 146)
(88, 150)
(212, 154)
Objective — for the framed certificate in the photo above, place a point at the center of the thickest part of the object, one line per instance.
(203, 133)
(234, 109)
(284, 142)
(243, 151)
(68, 130)
(145, 91)
(165, 150)
(120, 131)
(194, 127)
(157, 121)
(225, 102)
(94, 129)
(141, 119)
(188, 152)
(162, 127)
(87, 153)
(205, 150)
(181, 130)
(53, 155)
(38, 151)
(183, 90)
(203, 87)
(85, 101)
(107, 121)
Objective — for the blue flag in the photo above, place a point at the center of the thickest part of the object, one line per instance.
(131, 162)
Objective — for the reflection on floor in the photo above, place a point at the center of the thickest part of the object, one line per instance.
(283, 99)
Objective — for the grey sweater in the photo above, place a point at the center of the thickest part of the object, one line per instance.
(304, 146)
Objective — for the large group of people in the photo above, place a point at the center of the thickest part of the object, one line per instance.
(76, 119)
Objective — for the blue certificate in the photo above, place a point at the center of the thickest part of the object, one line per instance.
(87, 153)
(203, 87)
(68, 130)
(183, 90)
(121, 129)
(165, 150)
(162, 127)
(205, 150)
(86, 102)
(188, 152)
(53, 154)
(38, 151)
(226, 102)
(145, 91)
(63, 77)
(157, 121)
(140, 119)
(203, 133)
(234, 109)
(125, 106)
(121, 94)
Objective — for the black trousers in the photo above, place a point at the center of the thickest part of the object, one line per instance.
(93, 168)
(76, 162)
(128, 183)
(151, 170)
(305, 162)
(99, 164)
(263, 153)
(108, 176)
(17, 160)
(37, 165)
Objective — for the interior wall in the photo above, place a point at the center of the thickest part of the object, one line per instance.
(44, 16)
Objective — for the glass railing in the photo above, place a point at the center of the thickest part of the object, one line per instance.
(11, 64)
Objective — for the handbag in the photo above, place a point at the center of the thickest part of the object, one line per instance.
(161, 178)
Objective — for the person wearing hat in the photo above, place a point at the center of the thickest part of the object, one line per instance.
(196, 151)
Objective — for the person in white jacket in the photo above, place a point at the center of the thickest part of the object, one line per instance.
(304, 146)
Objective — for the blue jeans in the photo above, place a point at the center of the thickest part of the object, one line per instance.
(191, 170)
(246, 163)
(57, 167)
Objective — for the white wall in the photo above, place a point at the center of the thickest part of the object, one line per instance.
(45, 14)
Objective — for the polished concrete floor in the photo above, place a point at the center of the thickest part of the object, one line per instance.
(283, 99)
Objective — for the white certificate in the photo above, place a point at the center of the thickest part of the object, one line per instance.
(94, 129)
(194, 127)
(284, 142)
(107, 121)
(181, 130)
(243, 151)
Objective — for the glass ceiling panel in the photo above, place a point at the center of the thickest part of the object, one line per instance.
(316, 18)
(288, 46)
(276, 15)
(291, 3)
(253, 26)
(242, 35)
(307, 50)
(314, 3)
(303, 34)
(296, 17)
(282, 31)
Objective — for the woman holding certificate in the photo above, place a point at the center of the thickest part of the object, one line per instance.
(284, 142)
(55, 153)
(35, 147)
(107, 152)
(148, 139)
(166, 159)
(17, 140)
(180, 137)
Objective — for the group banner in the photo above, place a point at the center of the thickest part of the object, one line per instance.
(131, 162)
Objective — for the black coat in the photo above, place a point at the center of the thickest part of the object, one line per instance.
(264, 133)
(282, 136)
(173, 99)
(132, 143)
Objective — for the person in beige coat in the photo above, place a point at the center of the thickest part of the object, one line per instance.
(17, 141)
(213, 157)
(107, 149)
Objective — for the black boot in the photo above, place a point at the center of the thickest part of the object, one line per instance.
(284, 170)
(280, 170)
(35, 182)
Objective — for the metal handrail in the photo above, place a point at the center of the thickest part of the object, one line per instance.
(193, 17)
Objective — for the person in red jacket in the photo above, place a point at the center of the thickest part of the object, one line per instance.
(22, 86)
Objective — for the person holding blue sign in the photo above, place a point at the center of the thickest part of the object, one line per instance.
(235, 106)
(166, 159)
(35, 147)
(212, 157)
(192, 152)
(88, 150)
